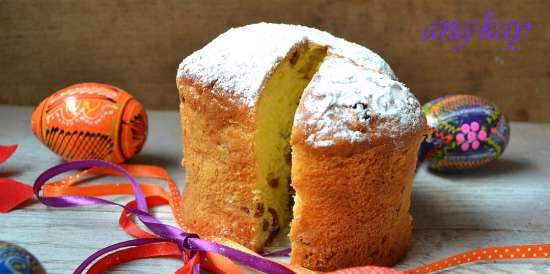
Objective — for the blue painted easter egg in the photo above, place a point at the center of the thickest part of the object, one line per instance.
(16, 260)
(467, 132)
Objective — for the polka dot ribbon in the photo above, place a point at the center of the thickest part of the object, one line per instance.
(503, 253)
(148, 245)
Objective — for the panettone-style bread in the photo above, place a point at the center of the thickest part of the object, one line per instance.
(269, 109)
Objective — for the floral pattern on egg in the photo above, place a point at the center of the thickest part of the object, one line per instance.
(467, 132)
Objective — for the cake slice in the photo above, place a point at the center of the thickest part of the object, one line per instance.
(353, 198)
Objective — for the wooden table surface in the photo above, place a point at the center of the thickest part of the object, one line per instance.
(506, 203)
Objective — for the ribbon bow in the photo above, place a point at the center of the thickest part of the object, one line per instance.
(190, 245)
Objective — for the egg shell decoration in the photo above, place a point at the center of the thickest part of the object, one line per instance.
(91, 121)
(16, 260)
(467, 132)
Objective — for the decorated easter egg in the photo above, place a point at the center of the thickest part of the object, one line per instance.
(91, 121)
(16, 260)
(467, 132)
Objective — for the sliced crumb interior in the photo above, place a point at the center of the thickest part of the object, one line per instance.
(274, 116)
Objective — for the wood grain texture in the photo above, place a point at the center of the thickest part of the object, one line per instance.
(506, 203)
(137, 45)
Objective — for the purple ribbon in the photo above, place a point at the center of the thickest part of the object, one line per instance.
(282, 252)
(167, 233)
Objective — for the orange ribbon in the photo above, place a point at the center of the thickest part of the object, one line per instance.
(502, 253)
(156, 195)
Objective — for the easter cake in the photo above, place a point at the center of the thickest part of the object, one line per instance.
(285, 124)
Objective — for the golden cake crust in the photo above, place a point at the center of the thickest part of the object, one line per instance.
(352, 208)
(219, 158)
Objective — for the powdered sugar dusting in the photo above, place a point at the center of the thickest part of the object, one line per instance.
(347, 102)
(353, 97)
(238, 61)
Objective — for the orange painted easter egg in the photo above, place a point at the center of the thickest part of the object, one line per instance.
(91, 121)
